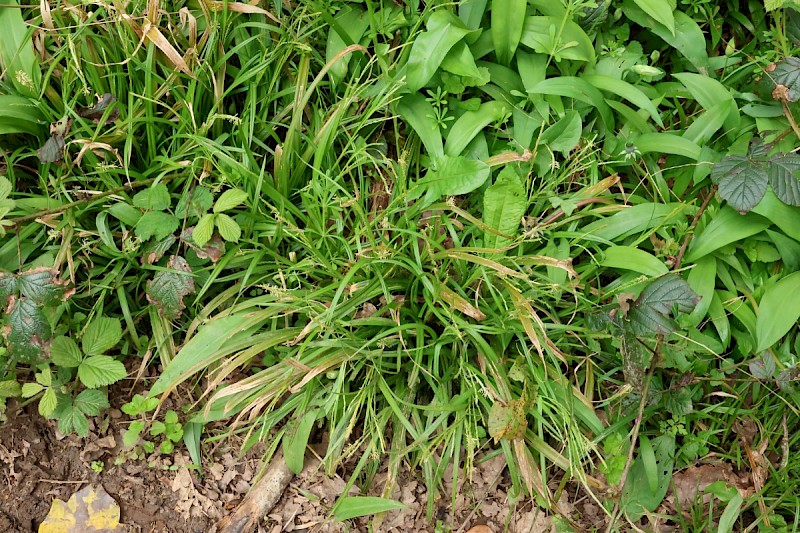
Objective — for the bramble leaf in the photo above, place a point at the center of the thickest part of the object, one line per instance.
(101, 335)
(204, 229)
(650, 313)
(27, 331)
(196, 203)
(168, 287)
(230, 199)
(786, 77)
(91, 402)
(42, 286)
(100, 370)
(228, 228)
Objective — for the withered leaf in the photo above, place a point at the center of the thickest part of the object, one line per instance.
(168, 288)
(91, 509)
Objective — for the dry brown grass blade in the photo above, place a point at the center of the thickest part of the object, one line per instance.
(155, 36)
(240, 7)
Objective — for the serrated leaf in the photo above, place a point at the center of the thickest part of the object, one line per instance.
(48, 403)
(742, 181)
(5, 187)
(650, 313)
(42, 286)
(65, 353)
(168, 287)
(100, 370)
(228, 228)
(155, 250)
(101, 335)
(453, 175)
(195, 203)
(230, 199)
(27, 331)
(131, 435)
(154, 198)
(91, 402)
(29, 390)
(204, 229)
(508, 420)
(10, 388)
(91, 510)
(787, 79)
(71, 419)
(156, 224)
(8, 288)
(783, 178)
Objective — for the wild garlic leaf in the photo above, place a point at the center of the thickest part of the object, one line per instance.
(504, 204)
(429, 49)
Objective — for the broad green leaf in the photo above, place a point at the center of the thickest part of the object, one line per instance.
(102, 334)
(635, 219)
(625, 90)
(784, 172)
(42, 286)
(91, 402)
(294, 442)
(72, 419)
(660, 10)
(786, 217)
(17, 58)
(100, 370)
(471, 123)
(419, 114)
(508, 19)
(702, 279)
(459, 61)
(230, 199)
(228, 228)
(726, 226)
(565, 134)
(471, 12)
(579, 89)
(709, 93)
(637, 495)
(125, 213)
(27, 331)
(650, 313)
(632, 258)
(786, 77)
(154, 198)
(707, 123)
(731, 514)
(504, 204)
(453, 175)
(667, 143)
(687, 38)
(573, 42)
(31, 389)
(65, 353)
(507, 421)
(168, 287)
(156, 224)
(204, 229)
(348, 507)
(353, 23)
(18, 114)
(778, 311)
(131, 435)
(431, 46)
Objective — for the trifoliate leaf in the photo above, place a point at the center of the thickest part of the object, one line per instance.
(100, 370)
(65, 353)
(70, 419)
(156, 224)
(91, 402)
(168, 287)
(5, 188)
(228, 228)
(203, 230)
(27, 331)
(29, 390)
(650, 313)
(42, 286)
(743, 180)
(195, 203)
(230, 199)
(101, 335)
(154, 198)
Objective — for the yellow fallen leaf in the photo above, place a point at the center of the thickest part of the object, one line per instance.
(90, 510)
